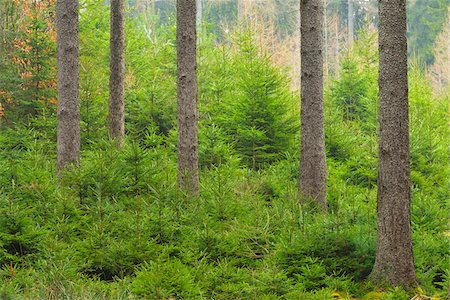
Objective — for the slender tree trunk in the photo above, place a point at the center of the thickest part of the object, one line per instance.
(187, 97)
(68, 129)
(313, 172)
(394, 257)
(350, 23)
(116, 117)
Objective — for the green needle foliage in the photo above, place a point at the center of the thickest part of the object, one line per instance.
(256, 113)
(117, 227)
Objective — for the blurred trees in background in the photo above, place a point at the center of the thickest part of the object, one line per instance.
(426, 19)
(278, 20)
(28, 40)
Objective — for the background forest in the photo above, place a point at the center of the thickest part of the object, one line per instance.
(117, 227)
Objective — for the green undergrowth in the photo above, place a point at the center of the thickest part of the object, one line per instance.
(116, 227)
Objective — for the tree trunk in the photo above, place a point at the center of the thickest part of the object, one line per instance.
(68, 128)
(394, 257)
(116, 116)
(187, 97)
(313, 170)
(350, 23)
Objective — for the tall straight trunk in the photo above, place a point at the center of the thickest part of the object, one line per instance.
(313, 170)
(68, 128)
(350, 22)
(116, 116)
(394, 256)
(187, 97)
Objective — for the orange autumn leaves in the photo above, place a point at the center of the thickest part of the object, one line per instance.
(33, 58)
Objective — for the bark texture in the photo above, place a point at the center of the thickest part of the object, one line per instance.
(116, 116)
(394, 257)
(187, 97)
(68, 128)
(313, 172)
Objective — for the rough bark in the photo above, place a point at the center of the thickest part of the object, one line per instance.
(187, 97)
(313, 172)
(68, 128)
(116, 116)
(394, 257)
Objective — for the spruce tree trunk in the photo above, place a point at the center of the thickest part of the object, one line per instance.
(313, 172)
(116, 116)
(187, 97)
(394, 256)
(68, 128)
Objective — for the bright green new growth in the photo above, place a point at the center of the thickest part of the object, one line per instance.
(255, 111)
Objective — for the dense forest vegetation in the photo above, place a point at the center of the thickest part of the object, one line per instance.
(117, 226)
